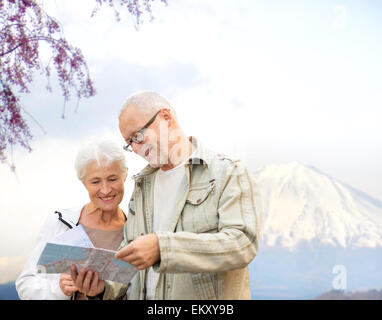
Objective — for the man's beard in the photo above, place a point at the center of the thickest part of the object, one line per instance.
(157, 160)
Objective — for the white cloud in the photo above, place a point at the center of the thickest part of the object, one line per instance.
(340, 20)
(10, 267)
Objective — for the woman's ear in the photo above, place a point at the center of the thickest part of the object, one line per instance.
(127, 171)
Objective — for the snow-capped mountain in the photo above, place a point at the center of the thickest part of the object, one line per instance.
(303, 205)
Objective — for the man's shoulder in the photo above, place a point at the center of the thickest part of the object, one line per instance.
(211, 157)
(226, 158)
(221, 159)
(221, 166)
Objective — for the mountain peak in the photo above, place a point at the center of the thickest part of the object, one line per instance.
(303, 204)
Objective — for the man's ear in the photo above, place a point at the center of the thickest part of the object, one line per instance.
(167, 115)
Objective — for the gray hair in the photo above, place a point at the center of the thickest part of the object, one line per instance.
(147, 102)
(103, 151)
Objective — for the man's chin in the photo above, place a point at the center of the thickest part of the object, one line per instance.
(154, 165)
(157, 163)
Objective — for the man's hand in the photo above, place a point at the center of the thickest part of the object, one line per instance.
(142, 253)
(67, 284)
(87, 281)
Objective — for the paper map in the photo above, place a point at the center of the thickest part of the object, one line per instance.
(58, 257)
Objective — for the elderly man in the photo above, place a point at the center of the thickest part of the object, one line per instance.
(192, 225)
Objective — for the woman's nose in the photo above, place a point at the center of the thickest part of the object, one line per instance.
(105, 188)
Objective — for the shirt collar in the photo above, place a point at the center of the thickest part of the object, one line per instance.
(201, 155)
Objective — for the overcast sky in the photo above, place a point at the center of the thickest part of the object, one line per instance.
(266, 81)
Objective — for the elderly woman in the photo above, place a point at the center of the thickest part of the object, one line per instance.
(101, 166)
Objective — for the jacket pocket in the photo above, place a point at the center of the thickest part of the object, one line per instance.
(200, 213)
(205, 285)
(200, 192)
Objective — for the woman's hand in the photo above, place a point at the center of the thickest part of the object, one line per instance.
(87, 281)
(67, 284)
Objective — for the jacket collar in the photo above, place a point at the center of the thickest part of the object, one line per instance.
(70, 217)
(202, 156)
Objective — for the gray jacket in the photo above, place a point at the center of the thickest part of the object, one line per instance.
(212, 237)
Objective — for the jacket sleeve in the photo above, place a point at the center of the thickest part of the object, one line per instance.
(236, 242)
(115, 291)
(31, 285)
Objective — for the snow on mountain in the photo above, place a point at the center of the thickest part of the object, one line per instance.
(302, 204)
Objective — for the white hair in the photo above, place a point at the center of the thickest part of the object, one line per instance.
(147, 102)
(103, 151)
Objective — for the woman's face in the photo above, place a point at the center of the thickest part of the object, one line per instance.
(105, 185)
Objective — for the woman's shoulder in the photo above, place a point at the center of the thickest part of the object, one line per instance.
(57, 222)
(68, 217)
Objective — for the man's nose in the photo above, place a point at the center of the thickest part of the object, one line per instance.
(136, 147)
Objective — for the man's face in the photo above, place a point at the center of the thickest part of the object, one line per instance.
(151, 148)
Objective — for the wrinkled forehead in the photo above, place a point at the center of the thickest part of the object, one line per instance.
(130, 121)
(102, 167)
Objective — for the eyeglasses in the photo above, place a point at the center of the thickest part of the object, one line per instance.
(138, 136)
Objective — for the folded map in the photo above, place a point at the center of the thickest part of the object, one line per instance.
(58, 257)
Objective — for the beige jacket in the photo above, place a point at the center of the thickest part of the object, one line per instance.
(213, 234)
